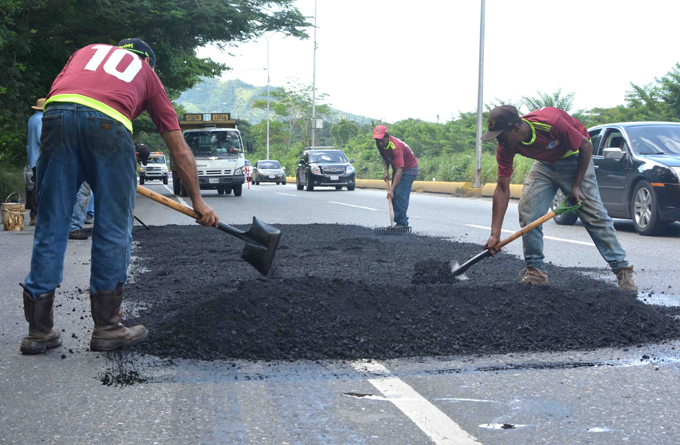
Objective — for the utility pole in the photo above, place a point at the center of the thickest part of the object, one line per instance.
(314, 82)
(480, 104)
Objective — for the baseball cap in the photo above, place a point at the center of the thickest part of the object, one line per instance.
(139, 46)
(379, 131)
(500, 119)
(143, 152)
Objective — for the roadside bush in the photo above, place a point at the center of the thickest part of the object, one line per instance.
(11, 180)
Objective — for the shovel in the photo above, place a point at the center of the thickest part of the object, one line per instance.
(261, 240)
(459, 271)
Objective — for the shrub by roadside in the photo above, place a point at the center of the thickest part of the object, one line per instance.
(11, 180)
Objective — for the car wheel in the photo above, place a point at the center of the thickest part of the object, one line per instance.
(283, 183)
(175, 183)
(182, 191)
(298, 184)
(141, 180)
(565, 219)
(278, 182)
(310, 186)
(257, 182)
(165, 180)
(220, 191)
(338, 187)
(350, 188)
(238, 190)
(645, 210)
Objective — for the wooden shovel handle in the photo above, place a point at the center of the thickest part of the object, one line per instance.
(548, 216)
(168, 202)
(390, 201)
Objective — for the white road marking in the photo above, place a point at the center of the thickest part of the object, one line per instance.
(287, 194)
(583, 243)
(433, 422)
(352, 205)
(179, 198)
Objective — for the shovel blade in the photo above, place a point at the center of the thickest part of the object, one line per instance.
(261, 240)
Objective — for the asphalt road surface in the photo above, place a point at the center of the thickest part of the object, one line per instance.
(601, 396)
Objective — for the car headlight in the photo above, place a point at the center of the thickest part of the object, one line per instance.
(349, 170)
(315, 169)
(238, 171)
(677, 172)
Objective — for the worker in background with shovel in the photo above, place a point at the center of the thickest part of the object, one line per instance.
(561, 146)
(404, 171)
(87, 135)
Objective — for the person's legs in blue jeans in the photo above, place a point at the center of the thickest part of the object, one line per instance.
(537, 194)
(90, 206)
(80, 207)
(401, 199)
(60, 174)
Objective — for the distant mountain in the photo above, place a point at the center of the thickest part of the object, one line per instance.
(235, 97)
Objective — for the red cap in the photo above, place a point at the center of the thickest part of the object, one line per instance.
(379, 131)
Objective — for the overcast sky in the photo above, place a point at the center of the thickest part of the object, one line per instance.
(394, 59)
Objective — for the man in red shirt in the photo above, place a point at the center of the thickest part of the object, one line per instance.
(87, 136)
(561, 147)
(404, 171)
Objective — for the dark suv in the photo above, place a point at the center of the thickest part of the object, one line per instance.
(325, 167)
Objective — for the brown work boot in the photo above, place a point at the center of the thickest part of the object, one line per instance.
(78, 234)
(34, 218)
(40, 317)
(531, 275)
(624, 275)
(109, 333)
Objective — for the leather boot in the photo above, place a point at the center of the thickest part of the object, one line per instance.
(109, 333)
(40, 317)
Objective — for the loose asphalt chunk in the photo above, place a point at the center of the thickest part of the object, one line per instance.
(342, 292)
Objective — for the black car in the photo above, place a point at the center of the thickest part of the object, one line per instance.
(268, 171)
(325, 167)
(638, 173)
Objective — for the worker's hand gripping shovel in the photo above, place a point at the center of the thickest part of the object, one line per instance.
(261, 240)
(459, 271)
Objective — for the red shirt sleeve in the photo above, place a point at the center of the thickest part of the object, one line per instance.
(504, 159)
(160, 108)
(564, 131)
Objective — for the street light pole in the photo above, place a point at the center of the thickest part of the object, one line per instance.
(480, 104)
(268, 77)
(314, 83)
(236, 89)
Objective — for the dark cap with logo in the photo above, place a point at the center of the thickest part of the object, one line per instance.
(139, 46)
(143, 153)
(500, 119)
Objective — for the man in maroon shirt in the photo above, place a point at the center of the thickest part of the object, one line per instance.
(404, 171)
(87, 136)
(561, 147)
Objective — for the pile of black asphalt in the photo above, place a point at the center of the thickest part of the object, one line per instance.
(343, 292)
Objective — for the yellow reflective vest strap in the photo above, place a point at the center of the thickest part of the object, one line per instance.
(94, 104)
(543, 127)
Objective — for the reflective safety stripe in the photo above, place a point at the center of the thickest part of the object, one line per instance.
(533, 133)
(569, 153)
(94, 104)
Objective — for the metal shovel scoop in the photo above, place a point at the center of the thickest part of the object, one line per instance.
(459, 271)
(261, 240)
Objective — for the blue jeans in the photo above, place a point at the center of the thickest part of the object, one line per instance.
(401, 197)
(539, 190)
(90, 205)
(80, 208)
(77, 144)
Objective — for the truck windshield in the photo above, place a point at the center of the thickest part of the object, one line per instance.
(156, 160)
(328, 156)
(213, 143)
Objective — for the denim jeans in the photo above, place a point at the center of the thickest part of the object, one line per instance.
(80, 208)
(90, 205)
(539, 190)
(401, 197)
(77, 144)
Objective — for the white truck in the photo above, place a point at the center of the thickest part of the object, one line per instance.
(217, 146)
(155, 168)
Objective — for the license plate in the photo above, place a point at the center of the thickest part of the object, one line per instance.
(214, 180)
(272, 176)
(335, 178)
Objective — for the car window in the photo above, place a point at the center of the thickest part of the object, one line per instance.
(655, 139)
(614, 138)
(268, 165)
(329, 156)
(595, 138)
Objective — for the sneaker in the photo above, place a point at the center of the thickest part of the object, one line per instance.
(625, 278)
(531, 275)
(78, 234)
(89, 219)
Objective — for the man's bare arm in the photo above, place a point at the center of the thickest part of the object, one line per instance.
(501, 197)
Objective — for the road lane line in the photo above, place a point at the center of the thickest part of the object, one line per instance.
(583, 243)
(352, 205)
(183, 202)
(439, 427)
(287, 194)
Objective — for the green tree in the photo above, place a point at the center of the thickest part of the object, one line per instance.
(38, 36)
